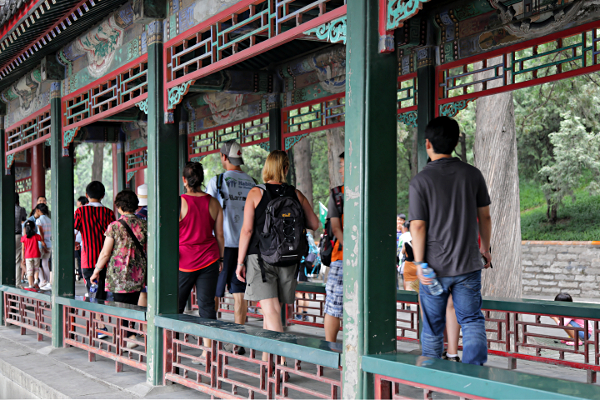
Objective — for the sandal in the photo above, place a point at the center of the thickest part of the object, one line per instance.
(571, 343)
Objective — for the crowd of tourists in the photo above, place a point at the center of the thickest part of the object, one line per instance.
(250, 239)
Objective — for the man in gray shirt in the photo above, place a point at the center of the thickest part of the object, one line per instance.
(20, 216)
(449, 208)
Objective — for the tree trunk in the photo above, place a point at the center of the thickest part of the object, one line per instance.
(552, 212)
(335, 147)
(98, 161)
(302, 160)
(496, 156)
(414, 162)
(462, 139)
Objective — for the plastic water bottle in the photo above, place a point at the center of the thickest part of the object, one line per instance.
(93, 290)
(434, 288)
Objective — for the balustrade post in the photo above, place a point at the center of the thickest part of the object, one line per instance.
(163, 221)
(370, 206)
(63, 243)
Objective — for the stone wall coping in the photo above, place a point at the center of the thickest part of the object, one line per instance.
(559, 243)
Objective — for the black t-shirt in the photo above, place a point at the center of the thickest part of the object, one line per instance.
(446, 195)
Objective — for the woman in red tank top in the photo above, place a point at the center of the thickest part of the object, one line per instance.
(200, 250)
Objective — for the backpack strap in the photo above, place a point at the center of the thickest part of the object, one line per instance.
(137, 243)
(220, 179)
(338, 198)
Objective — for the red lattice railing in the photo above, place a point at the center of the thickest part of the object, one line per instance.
(81, 328)
(136, 160)
(27, 133)
(316, 115)
(29, 314)
(244, 30)
(23, 185)
(114, 93)
(531, 336)
(247, 132)
(224, 374)
(550, 58)
(400, 389)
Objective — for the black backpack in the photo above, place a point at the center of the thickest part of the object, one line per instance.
(328, 240)
(282, 241)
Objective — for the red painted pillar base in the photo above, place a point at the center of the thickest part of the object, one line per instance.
(38, 173)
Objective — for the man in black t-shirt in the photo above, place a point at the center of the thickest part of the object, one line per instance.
(449, 208)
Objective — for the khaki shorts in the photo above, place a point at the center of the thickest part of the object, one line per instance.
(33, 266)
(281, 282)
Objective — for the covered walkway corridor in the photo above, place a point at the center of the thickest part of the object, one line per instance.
(169, 81)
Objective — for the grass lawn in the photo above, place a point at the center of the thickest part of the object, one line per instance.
(579, 220)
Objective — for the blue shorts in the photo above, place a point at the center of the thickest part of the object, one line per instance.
(334, 301)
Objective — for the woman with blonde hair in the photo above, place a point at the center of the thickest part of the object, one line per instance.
(273, 286)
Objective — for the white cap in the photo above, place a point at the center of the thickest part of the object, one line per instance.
(233, 151)
(142, 194)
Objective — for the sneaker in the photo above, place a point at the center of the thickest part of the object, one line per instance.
(239, 350)
(35, 282)
(101, 334)
(455, 358)
(132, 345)
(46, 287)
(228, 347)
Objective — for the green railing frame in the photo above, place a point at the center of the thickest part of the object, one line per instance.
(529, 306)
(120, 310)
(305, 349)
(34, 295)
(475, 380)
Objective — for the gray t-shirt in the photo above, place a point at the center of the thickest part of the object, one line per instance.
(236, 185)
(446, 195)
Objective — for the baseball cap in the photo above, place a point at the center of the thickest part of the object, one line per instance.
(233, 151)
(142, 194)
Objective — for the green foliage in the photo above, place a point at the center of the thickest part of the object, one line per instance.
(557, 135)
(575, 151)
(84, 155)
(578, 220)
(530, 195)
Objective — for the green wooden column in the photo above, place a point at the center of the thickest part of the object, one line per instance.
(163, 190)
(7, 224)
(62, 217)
(183, 145)
(120, 158)
(426, 101)
(370, 198)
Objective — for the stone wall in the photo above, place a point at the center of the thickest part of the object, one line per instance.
(553, 267)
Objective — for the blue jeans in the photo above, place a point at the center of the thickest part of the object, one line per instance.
(466, 295)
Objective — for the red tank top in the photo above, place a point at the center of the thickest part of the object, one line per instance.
(198, 247)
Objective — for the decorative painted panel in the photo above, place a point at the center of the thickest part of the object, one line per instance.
(245, 29)
(115, 42)
(558, 56)
(312, 116)
(136, 160)
(26, 96)
(28, 132)
(247, 132)
(399, 11)
(332, 32)
(116, 92)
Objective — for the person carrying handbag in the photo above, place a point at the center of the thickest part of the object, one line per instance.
(125, 253)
